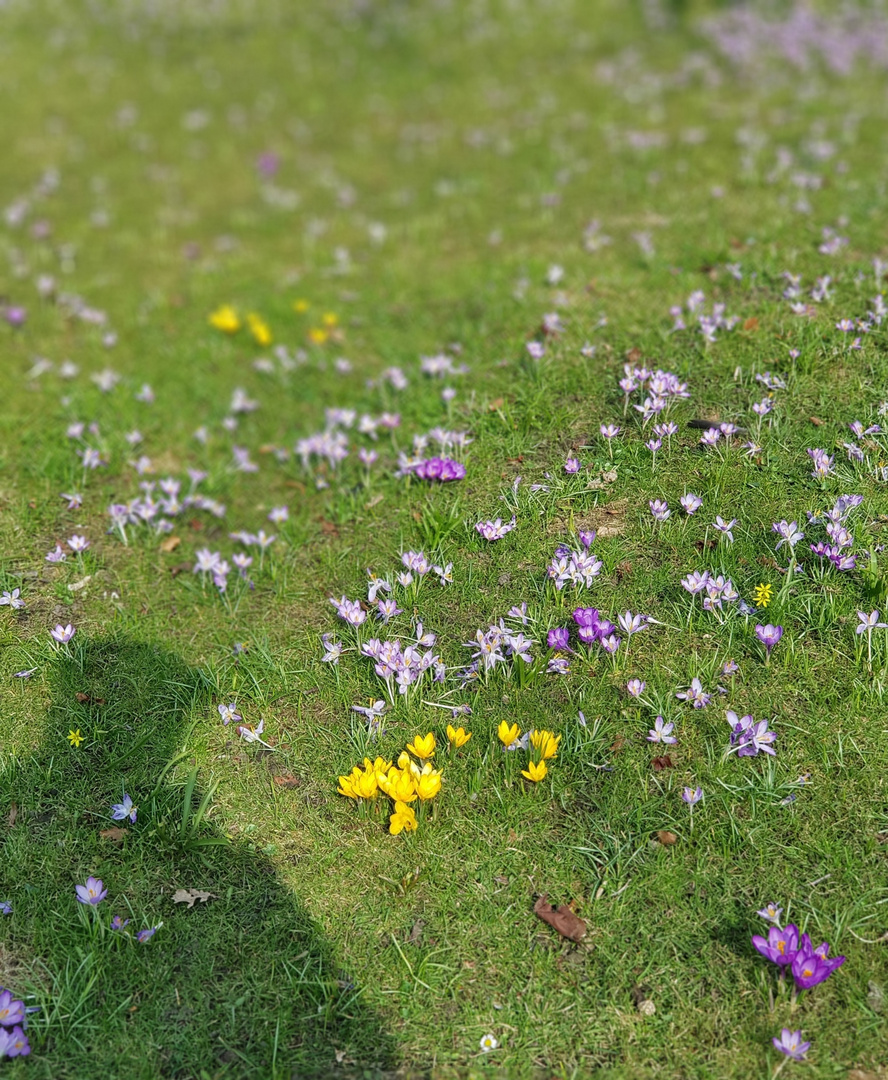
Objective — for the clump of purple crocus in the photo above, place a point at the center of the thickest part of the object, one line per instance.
(748, 737)
(495, 530)
(13, 1021)
(441, 469)
(785, 948)
(573, 567)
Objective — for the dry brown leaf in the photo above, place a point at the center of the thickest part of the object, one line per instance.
(561, 919)
(170, 543)
(751, 323)
(191, 896)
(618, 744)
(661, 763)
(666, 837)
(286, 781)
(816, 421)
(634, 355)
(13, 814)
(88, 699)
(114, 834)
(497, 403)
(180, 568)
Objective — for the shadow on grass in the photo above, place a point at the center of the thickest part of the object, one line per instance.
(243, 986)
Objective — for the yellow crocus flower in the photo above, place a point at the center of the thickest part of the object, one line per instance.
(423, 746)
(259, 329)
(317, 336)
(457, 736)
(301, 306)
(75, 738)
(366, 785)
(546, 742)
(508, 734)
(402, 818)
(226, 319)
(399, 785)
(428, 785)
(330, 320)
(535, 771)
(346, 787)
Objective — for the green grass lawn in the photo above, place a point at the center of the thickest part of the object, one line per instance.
(379, 183)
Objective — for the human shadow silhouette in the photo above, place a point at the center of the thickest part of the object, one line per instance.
(243, 986)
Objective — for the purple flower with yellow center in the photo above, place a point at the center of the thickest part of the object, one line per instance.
(790, 1043)
(586, 537)
(12, 1011)
(812, 966)
(659, 509)
(695, 695)
(558, 638)
(117, 923)
(725, 527)
(123, 810)
(635, 687)
(780, 946)
(772, 913)
(229, 712)
(610, 644)
(494, 530)
(609, 431)
(62, 634)
(690, 503)
(692, 795)
(147, 934)
(769, 636)
(572, 466)
(93, 892)
(632, 624)
(14, 1043)
(5, 907)
(661, 732)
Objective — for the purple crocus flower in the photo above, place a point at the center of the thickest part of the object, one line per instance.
(692, 795)
(610, 643)
(229, 712)
(768, 635)
(725, 527)
(811, 966)
(558, 638)
(635, 687)
(690, 503)
(117, 923)
(14, 1043)
(123, 810)
(780, 946)
(772, 913)
(631, 624)
(572, 466)
(63, 634)
(12, 1011)
(661, 732)
(790, 1043)
(92, 892)
(586, 538)
(147, 934)
(659, 509)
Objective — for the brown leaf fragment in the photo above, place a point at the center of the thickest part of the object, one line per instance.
(665, 837)
(13, 814)
(191, 896)
(180, 568)
(633, 355)
(661, 763)
(497, 403)
(561, 919)
(115, 834)
(416, 932)
(618, 744)
(751, 323)
(288, 780)
(170, 543)
(816, 421)
(88, 699)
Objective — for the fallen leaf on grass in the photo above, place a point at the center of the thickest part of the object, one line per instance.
(661, 763)
(751, 323)
(561, 919)
(816, 421)
(180, 568)
(416, 933)
(665, 837)
(191, 896)
(497, 403)
(287, 781)
(170, 543)
(88, 699)
(114, 834)
(13, 814)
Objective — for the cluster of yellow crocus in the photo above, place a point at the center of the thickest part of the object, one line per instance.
(544, 747)
(226, 319)
(404, 783)
(319, 335)
(260, 329)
